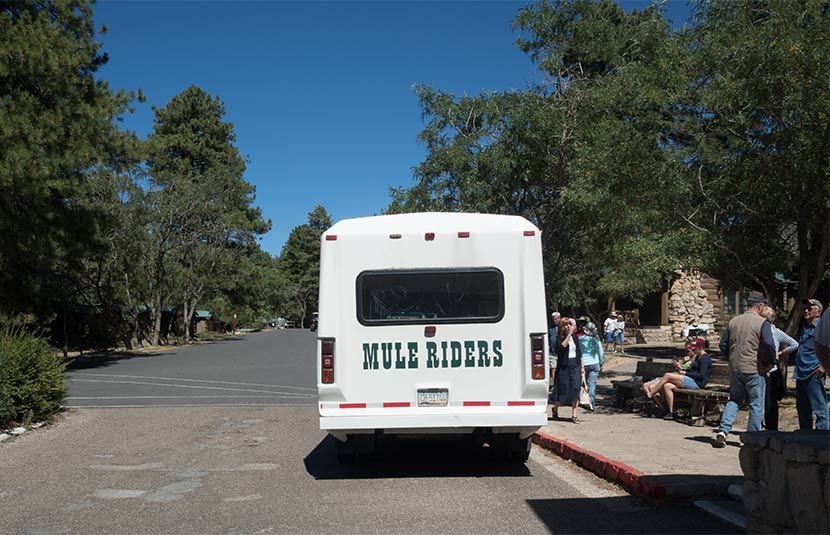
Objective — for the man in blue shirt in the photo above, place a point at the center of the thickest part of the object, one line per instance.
(809, 375)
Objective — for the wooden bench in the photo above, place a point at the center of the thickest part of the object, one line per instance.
(701, 402)
(712, 398)
(647, 370)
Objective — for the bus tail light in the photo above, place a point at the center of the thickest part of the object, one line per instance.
(537, 356)
(327, 360)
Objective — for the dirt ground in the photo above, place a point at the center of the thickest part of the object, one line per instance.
(787, 416)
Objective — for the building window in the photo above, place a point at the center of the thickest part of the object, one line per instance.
(734, 303)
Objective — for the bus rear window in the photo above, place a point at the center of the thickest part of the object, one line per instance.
(472, 295)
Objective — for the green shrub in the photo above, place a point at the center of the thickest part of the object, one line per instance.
(32, 377)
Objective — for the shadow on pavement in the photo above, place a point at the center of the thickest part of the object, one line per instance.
(624, 514)
(710, 439)
(411, 457)
(102, 359)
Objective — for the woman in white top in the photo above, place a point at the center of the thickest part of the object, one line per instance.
(777, 377)
(569, 370)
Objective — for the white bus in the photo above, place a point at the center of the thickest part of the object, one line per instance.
(432, 323)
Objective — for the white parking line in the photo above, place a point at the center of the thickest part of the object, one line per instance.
(287, 394)
(178, 397)
(163, 406)
(191, 380)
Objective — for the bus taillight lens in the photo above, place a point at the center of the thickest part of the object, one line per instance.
(537, 356)
(327, 361)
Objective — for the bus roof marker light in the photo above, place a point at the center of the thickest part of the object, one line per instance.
(429, 236)
(394, 236)
(331, 237)
(530, 233)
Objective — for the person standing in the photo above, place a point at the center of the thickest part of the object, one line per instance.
(555, 318)
(808, 373)
(776, 379)
(593, 357)
(568, 370)
(619, 331)
(749, 346)
(608, 329)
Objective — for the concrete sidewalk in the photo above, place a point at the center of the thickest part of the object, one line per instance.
(650, 457)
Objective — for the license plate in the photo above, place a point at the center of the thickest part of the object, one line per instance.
(433, 397)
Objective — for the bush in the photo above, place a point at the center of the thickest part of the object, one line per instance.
(32, 377)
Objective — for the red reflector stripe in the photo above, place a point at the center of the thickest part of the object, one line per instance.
(393, 404)
(331, 237)
(352, 405)
(476, 403)
(530, 233)
(520, 403)
(463, 234)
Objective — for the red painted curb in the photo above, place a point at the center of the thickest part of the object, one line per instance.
(630, 478)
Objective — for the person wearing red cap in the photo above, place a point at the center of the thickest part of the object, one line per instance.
(694, 378)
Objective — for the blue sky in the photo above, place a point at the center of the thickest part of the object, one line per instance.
(320, 93)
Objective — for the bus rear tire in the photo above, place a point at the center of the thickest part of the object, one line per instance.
(520, 449)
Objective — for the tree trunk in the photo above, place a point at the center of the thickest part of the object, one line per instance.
(154, 338)
(187, 317)
(807, 286)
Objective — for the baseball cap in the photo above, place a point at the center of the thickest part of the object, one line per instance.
(696, 343)
(813, 302)
(755, 297)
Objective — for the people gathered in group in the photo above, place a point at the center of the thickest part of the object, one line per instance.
(759, 355)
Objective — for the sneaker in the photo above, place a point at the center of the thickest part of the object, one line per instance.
(720, 439)
(642, 400)
(668, 416)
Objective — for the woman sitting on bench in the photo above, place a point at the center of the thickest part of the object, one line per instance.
(649, 388)
(695, 378)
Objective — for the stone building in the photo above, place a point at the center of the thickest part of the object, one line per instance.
(688, 300)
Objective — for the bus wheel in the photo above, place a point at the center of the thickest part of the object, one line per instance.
(520, 449)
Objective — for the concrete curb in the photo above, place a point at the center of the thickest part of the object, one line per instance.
(630, 478)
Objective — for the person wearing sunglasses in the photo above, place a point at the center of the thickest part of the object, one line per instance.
(809, 375)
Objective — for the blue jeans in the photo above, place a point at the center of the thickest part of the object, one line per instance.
(809, 400)
(744, 387)
(591, 376)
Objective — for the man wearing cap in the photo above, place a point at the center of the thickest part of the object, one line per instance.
(808, 372)
(750, 348)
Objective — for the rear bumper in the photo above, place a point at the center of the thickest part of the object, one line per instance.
(434, 421)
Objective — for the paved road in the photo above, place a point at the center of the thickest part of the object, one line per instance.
(228, 469)
(266, 368)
